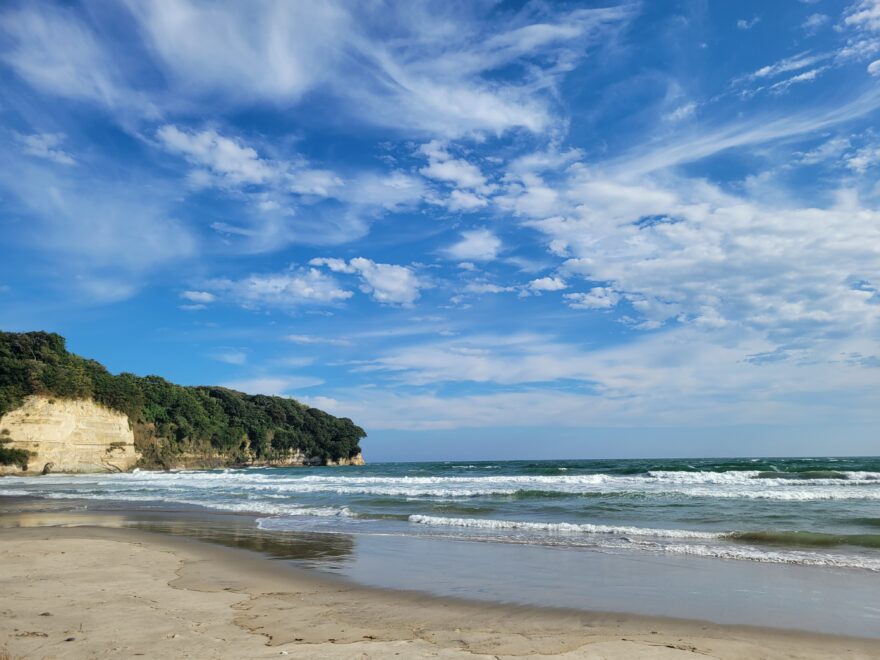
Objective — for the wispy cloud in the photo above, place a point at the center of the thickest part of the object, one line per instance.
(283, 290)
(815, 21)
(274, 385)
(748, 23)
(46, 145)
(313, 339)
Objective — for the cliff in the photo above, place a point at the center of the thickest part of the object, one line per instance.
(296, 458)
(61, 409)
(68, 436)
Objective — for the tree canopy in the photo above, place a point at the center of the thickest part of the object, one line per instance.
(169, 418)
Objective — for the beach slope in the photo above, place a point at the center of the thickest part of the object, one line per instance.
(90, 592)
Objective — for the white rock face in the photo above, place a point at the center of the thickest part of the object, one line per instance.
(69, 436)
(357, 459)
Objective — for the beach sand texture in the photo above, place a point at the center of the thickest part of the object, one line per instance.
(90, 592)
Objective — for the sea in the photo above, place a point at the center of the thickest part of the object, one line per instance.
(594, 534)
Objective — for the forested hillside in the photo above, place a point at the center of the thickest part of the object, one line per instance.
(171, 420)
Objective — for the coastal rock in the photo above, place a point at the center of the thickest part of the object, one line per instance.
(296, 458)
(357, 459)
(69, 435)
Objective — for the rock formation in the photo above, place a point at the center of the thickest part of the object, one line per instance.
(67, 435)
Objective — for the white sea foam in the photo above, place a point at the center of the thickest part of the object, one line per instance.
(727, 485)
(561, 527)
(747, 553)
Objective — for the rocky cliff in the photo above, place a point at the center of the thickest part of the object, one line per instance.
(295, 458)
(79, 435)
(66, 435)
(96, 413)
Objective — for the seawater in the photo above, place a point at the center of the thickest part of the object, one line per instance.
(802, 511)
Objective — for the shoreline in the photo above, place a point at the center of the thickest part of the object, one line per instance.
(128, 591)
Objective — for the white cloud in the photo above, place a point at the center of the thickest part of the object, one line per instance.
(230, 357)
(465, 201)
(830, 149)
(663, 154)
(198, 296)
(389, 191)
(55, 51)
(681, 377)
(475, 245)
(273, 385)
(225, 158)
(863, 158)
(686, 111)
(680, 361)
(281, 290)
(443, 167)
(46, 145)
(694, 254)
(386, 283)
(547, 284)
(864, 14)
(506, 359)
(599, 297)
(793, 63)
(336, 265)
(313, 339)
(470, 186)
(748, 24)
(487, 287)
(874, 68)
(284, 197)
(436, 74)
(806, 76)
(528, 194)
(814, 21)
(228, 162)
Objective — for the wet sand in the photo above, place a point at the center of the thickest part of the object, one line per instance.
(102, 592)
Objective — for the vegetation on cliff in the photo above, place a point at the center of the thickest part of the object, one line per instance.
(11, 455)
(171, 420)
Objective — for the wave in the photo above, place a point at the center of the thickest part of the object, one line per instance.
(560, 527)
(15, 492)
(807, 539)
(616, 539)
(781, 557)
(788, 538)
(674, 541)
(754, 485)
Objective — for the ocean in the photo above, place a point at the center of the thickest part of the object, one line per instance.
(805, 511)
(780, 542)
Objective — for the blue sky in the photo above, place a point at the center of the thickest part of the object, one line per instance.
(476, 228)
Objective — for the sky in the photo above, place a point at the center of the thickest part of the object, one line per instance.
(479, 229)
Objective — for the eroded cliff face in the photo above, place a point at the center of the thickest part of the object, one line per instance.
(69, 436)
(357, 459)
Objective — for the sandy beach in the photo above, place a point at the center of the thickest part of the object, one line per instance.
(94, 592)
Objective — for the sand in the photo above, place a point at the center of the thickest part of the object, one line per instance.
(93, 592)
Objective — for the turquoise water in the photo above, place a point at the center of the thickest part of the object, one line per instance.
(807, 511)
